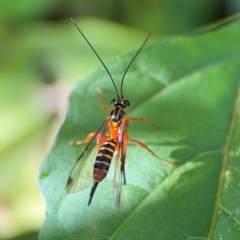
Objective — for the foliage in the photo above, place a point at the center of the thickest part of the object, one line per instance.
(189, 87)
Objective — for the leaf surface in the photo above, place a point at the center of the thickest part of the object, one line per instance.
(189, 87)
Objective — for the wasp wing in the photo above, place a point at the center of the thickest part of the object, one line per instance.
(119, 169)
(117, 179)
(81, 175)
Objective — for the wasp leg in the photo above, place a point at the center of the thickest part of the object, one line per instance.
(144, 120)
(99, 90)
(143, 145)
(86, 140)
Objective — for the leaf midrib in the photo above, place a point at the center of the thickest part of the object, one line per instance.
(224, 165)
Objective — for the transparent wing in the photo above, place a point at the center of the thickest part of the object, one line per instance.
(119, 169)
(81, 175)
(117, 179)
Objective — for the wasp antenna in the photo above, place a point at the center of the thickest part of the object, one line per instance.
(96, 55)
(92, 192)
(139, 50)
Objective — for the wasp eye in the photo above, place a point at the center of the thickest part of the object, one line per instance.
(113, 101)
(126, 103)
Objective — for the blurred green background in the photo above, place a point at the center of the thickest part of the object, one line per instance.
(42, 56)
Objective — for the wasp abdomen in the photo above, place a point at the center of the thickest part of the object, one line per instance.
(103, 160)
(102, 164)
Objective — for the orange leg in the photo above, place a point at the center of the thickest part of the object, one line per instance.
(99, 90)
(101, 138)
(145, 120)
(143, 145)
(86, 140)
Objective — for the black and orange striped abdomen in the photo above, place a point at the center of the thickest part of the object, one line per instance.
(102, 164)
(103, 160)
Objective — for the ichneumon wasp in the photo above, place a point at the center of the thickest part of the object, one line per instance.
(109, 142)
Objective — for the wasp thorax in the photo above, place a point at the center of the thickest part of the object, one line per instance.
(117, 115)
(120, 103)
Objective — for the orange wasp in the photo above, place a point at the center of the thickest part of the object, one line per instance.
(109, 142)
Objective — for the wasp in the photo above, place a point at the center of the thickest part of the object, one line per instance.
(108, 143)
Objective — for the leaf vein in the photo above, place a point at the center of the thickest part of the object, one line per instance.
(224, 165)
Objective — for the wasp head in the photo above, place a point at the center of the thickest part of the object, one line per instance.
(122, 103)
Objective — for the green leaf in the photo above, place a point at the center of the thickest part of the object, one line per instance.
(189, 87)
